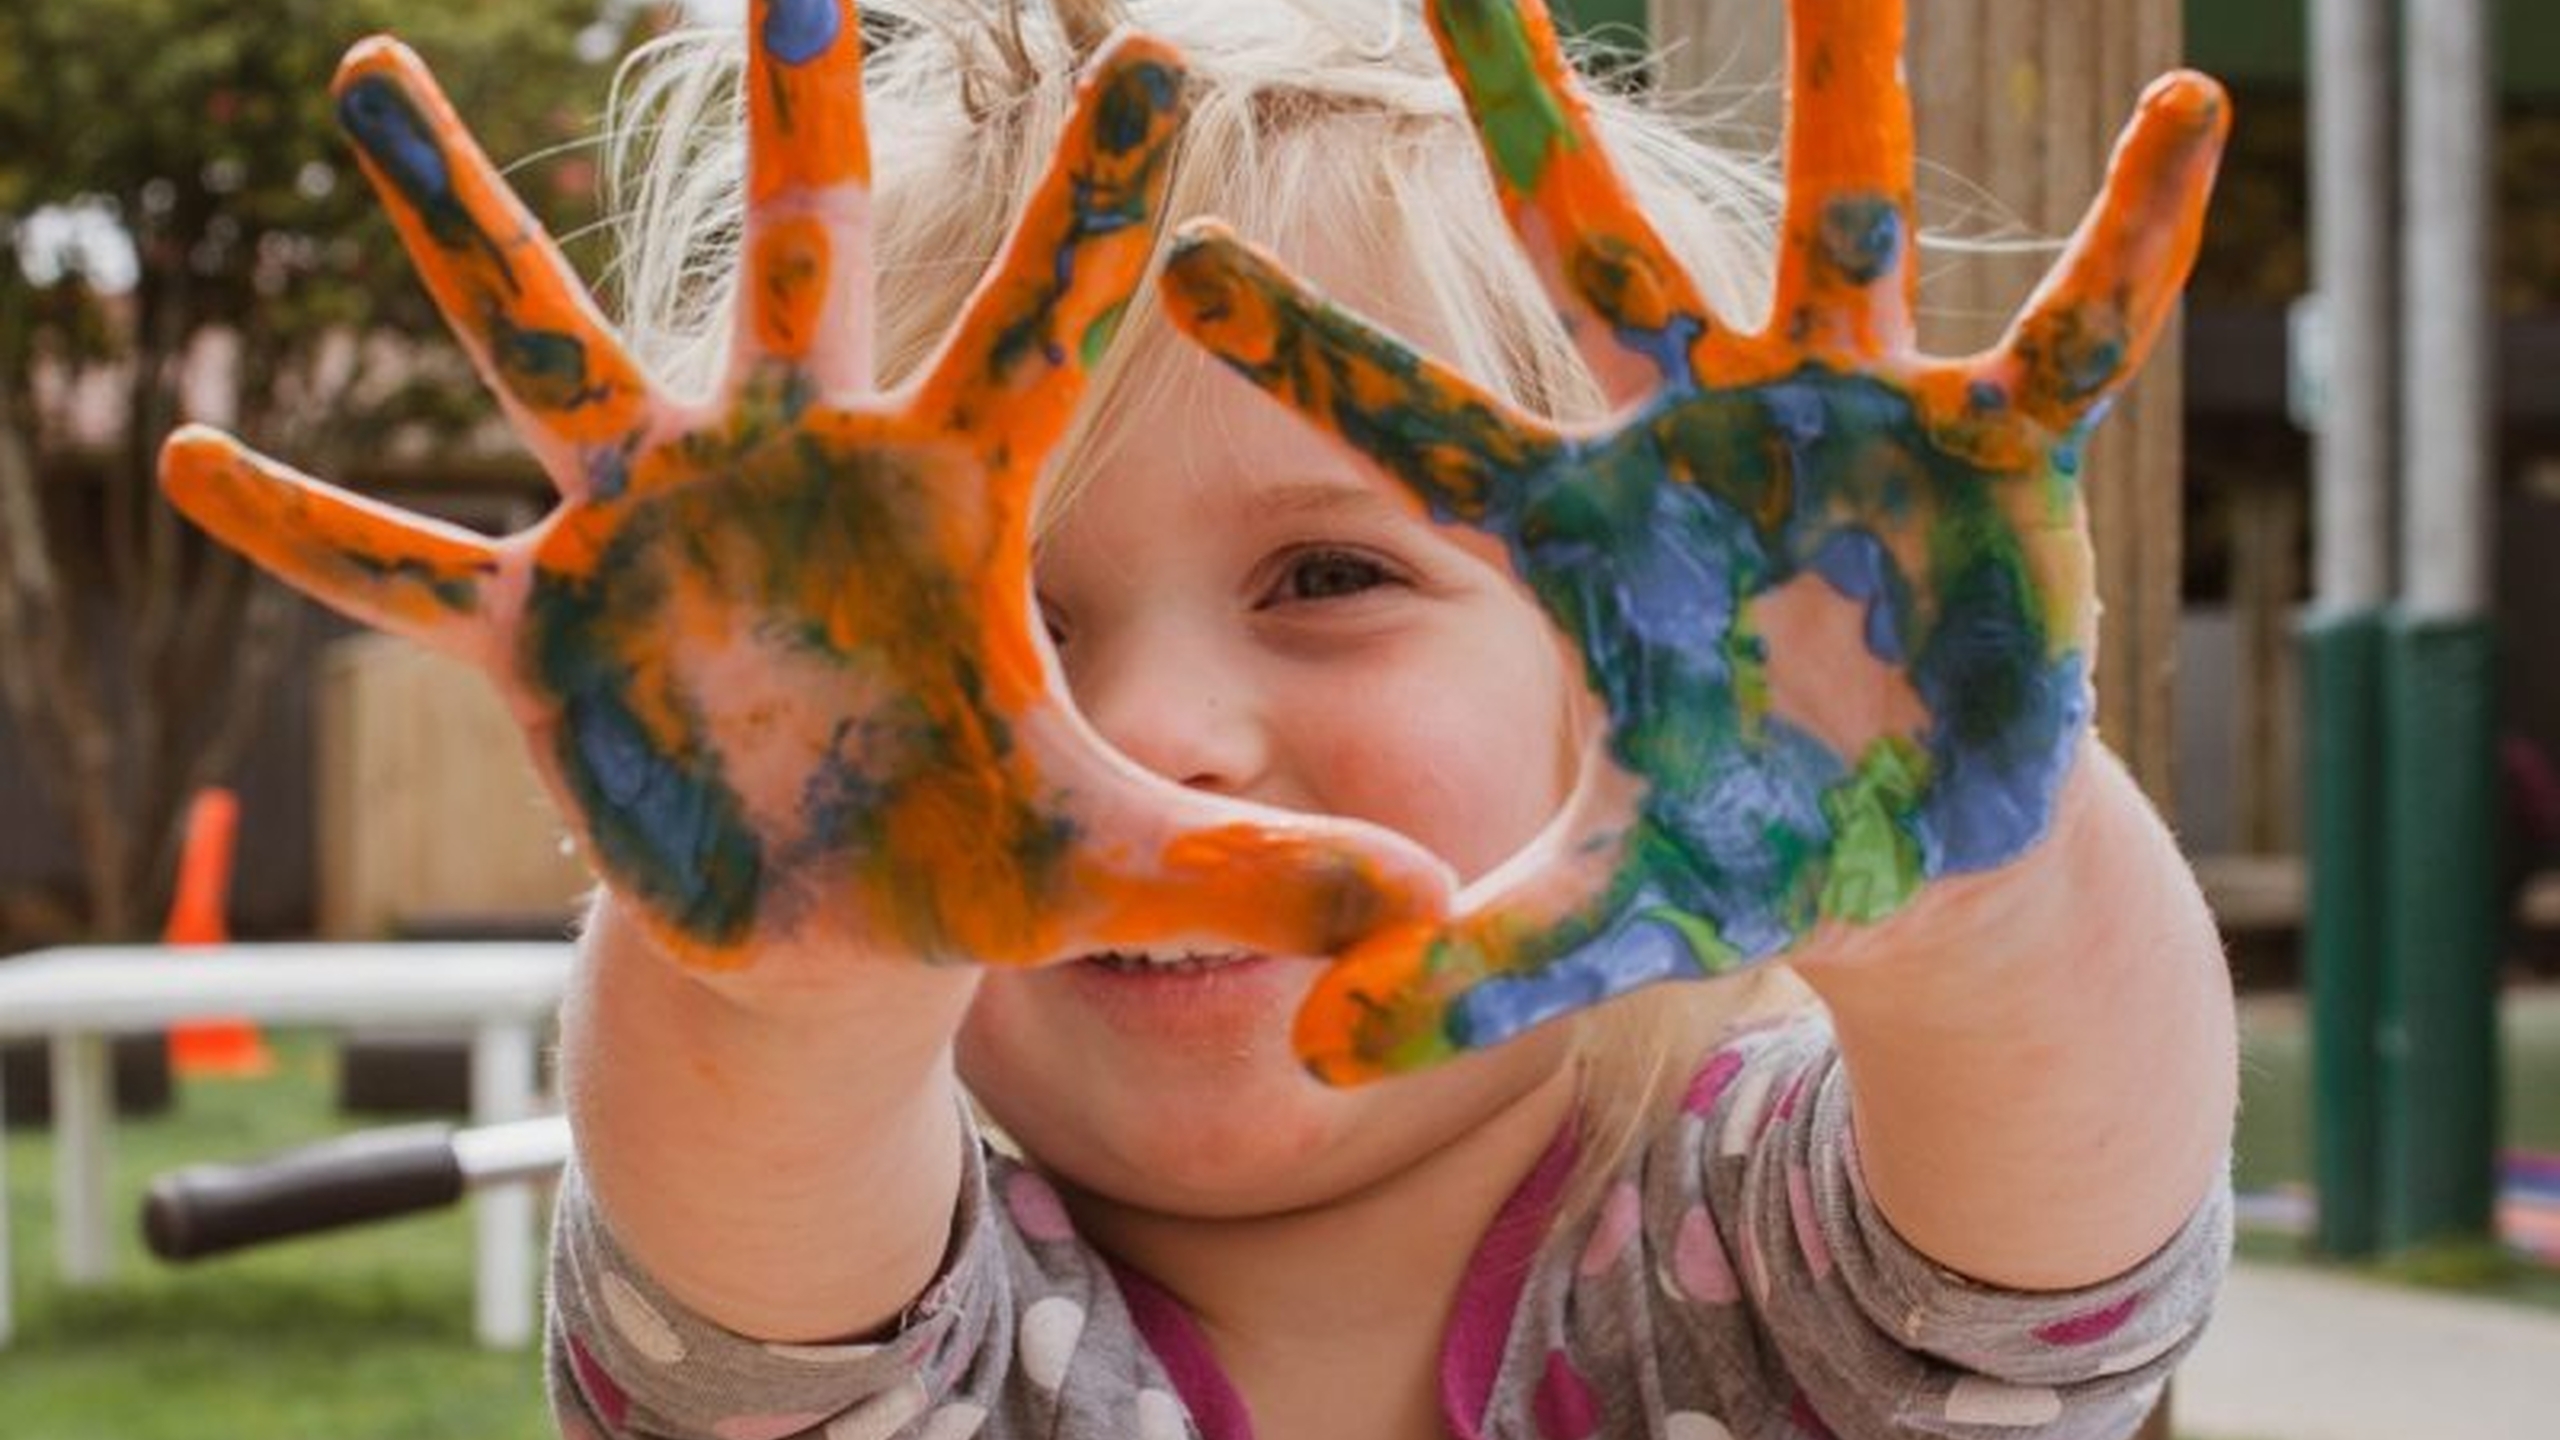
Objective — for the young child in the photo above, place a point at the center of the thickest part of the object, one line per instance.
(1978, 1190)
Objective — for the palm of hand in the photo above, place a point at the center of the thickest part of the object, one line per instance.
(1752, 785)
(776, 652)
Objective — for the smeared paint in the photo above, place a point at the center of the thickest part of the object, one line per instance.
(1862, 237)
(1517, 109)
(491, 269)
(401, 141)
(543, 368)
(792, 264)
(1820, 445)
(1109, 188)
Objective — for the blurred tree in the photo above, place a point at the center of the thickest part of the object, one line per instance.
(183, 234)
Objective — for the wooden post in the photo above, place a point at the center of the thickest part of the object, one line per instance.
(2019, 105)
(2019, 102)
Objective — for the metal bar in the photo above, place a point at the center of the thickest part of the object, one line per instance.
(503, 1064)
(2353, 260)
(83, 1142)
(2447, 380)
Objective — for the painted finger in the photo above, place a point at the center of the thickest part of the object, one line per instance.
(1164, 863)
(805, 286)
(1636, 315)
(1573, 920)
(1047, 844)
(373, 562)
(529, 325)
(2092, 322)
(1010, 376)
(1466, 453)
(1846, 278)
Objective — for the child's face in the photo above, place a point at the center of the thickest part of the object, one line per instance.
(1242, 607)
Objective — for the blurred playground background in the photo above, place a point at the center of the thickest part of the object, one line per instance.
(181, 235)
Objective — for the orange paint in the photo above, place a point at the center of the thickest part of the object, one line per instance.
(491, 268)
(804, 120)
(792, 269)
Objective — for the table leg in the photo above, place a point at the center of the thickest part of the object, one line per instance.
(502, 1088)
(8, 1285)
(83, 1135)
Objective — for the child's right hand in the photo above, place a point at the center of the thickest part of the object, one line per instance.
(776, 654)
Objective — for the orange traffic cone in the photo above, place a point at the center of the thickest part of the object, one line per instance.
(227, 1047)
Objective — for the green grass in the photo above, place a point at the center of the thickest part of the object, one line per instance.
(2274, 1146)
(360, 1335)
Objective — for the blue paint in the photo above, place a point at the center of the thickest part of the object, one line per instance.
(607, 469)
(380, 117)
(1669, 346)
(1127, 112)
(799, 31)
(1635, 952)
(378, 114)
(1857, 565)
(1862, 236)
(2000, 752)
(675, 834)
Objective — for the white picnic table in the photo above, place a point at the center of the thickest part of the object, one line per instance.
(79, 997)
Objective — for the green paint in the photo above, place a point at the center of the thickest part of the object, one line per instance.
(457, 593)
(1714, 956)
(1099, 334)
(1875, 864)
(1522, 121)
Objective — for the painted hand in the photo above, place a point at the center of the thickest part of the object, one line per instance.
(1835, 594)
(776, 654)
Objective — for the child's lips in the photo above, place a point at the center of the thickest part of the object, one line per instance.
(1214, 993)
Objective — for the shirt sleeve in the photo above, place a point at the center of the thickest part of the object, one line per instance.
(1869, 1337)
(1023, 1331)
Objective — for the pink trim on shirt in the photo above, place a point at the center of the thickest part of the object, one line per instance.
(1480, 1321)
(1488, 1303)
(1169, 1330)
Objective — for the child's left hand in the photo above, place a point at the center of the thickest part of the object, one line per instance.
(1836, 594)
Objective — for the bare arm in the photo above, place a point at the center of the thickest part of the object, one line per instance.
(783, 1159)
(2043, 1060)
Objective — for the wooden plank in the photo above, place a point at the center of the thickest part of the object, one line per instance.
(428, 808)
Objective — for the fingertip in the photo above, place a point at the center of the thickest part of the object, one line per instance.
(2191, 99)
(1200, 232)
(1136, 49)
(190, 459)
(1203, 277)
(1133, 94)
(377, 54)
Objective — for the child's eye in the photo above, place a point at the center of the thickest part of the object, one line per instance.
(1329, 575)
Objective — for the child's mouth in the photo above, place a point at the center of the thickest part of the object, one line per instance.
(1189, 962)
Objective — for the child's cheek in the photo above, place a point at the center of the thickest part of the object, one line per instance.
(1465, 767)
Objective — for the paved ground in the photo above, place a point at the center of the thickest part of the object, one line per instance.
(2299, 1354)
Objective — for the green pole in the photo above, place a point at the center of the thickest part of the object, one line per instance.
(2343, 941)
(2442, 933)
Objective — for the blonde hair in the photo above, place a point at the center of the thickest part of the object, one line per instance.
(1339, 109)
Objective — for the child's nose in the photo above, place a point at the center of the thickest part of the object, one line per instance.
(1178, 713)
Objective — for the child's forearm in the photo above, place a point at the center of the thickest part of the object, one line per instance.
(2043, 1061)
(784, 1160)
